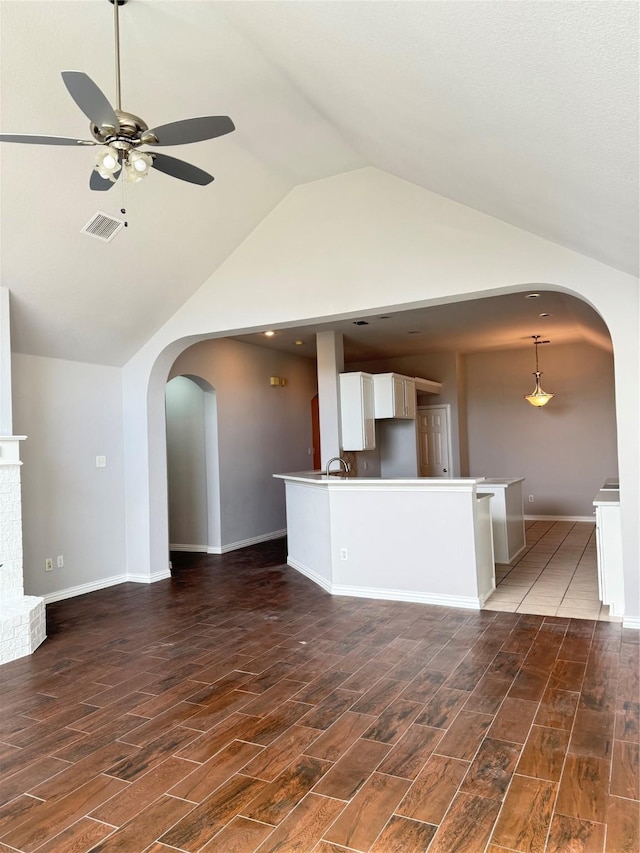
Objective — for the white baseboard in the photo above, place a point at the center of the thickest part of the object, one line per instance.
(103, 583)
(152, 578)
(196, 549)
(467, 602)
(244, 543)
(484, 598)
(588, 518)
(309, 573)
(81, 589)
(515, 556)
(631, 622)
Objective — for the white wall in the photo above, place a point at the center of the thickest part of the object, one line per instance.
(358, 243)
(187, 464)
(565, 450)
(70, 413)
(262, 429)
(6, 415)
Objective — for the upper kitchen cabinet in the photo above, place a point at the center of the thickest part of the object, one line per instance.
(357, 411)
(395, 396)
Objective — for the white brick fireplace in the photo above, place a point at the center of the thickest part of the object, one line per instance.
(22, 617)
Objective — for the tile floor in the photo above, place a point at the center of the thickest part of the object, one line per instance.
(557, 575)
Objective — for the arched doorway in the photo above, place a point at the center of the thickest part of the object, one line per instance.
(193, 481)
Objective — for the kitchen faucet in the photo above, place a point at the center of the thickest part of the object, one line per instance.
(343, 462)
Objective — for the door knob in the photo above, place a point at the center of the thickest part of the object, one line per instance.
(444, 470)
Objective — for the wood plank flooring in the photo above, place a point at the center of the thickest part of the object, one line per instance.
(237, 707)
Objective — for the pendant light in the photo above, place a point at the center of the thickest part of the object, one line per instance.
(538, 397)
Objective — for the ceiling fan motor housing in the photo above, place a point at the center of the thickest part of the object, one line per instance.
(129, 134)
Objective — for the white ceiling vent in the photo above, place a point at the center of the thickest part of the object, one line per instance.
(103, 226)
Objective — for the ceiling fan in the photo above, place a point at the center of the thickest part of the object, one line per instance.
(120, 134)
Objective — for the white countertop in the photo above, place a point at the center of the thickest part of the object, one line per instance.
(607, 497)
(499, 482)
(318, 478)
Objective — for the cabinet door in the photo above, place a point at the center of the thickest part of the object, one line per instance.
(398, 409)
(356, 411)
(395, 396)
(409, 398)
(368, 414)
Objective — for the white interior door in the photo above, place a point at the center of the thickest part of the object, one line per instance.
(434, 441)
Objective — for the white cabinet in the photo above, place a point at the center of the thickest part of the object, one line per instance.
(609, 550)
(507, 517)
(357, 411)
(395, 396)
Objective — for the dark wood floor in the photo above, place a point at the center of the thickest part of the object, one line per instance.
(238, 707)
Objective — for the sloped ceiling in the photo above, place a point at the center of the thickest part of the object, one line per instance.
(526, 111)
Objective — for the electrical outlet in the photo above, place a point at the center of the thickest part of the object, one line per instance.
(48, 565)
(343, 554)
(60, 561)
(530, 499)
(101, 461)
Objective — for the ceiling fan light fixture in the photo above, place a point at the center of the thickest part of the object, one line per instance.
(119, 133)
(107, 163)
(137, 166)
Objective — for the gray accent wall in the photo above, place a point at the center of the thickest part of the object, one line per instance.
(187, 463)
(262, 430)
(70, 412)
(566, 449)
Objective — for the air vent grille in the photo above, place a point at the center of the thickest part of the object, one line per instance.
(103, 227)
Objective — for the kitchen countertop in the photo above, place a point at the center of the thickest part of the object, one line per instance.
(607, 497)
(340, 480)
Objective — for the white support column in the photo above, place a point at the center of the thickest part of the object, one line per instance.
(22, 617)
(6, 417)
(330, 359)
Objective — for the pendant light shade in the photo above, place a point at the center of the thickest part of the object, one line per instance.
(538, 397)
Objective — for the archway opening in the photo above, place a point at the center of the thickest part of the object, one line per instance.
(193, 476)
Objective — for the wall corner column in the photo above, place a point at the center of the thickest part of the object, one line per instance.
(330, 358)
(22, 617)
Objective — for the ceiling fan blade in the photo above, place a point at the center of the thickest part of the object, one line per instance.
(181, 170)
(90, 99)
(192, 130)
(43, 140)
(96, 182)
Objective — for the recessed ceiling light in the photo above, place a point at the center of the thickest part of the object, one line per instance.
(360, 322)
(544, 314)
(298, 343)
(385, 317)
(414, 332)
(269, 334)
(532, 296)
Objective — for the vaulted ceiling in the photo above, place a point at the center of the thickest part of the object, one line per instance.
(526, 111)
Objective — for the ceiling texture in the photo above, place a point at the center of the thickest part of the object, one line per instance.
(526, 111)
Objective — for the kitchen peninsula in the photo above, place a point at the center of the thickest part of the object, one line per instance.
(420, 539)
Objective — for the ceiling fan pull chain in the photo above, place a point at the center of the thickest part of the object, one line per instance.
(123, 209)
